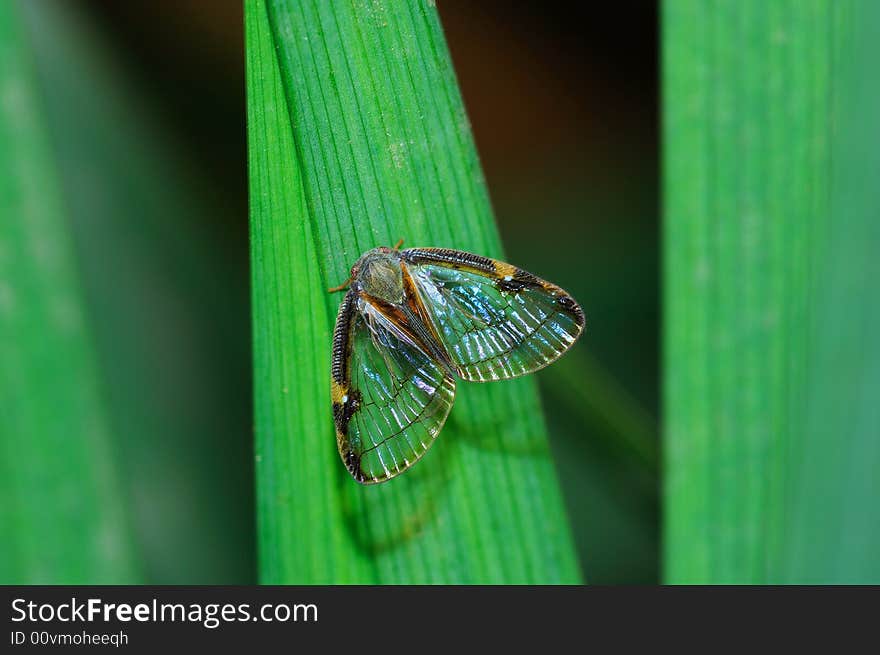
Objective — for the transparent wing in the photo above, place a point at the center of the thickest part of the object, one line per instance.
(393, 398)
(496, 321)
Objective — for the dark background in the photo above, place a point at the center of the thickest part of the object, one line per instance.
(563, 104)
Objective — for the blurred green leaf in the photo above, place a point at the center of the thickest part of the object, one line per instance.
(167, 302)
(61, 512)
(589, 390)
(832, 532)
(772, 367)
(357, 138)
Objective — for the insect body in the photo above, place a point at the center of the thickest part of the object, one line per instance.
(411, 322)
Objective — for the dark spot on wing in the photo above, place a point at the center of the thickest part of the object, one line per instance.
(353, 464)
(342, 412)
(510, 286)
(568, 305)
(518, 281)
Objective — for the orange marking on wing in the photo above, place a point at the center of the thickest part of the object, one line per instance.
(503, 270)
(337, 391)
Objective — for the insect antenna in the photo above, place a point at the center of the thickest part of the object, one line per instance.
(398, 244)
(340, 287)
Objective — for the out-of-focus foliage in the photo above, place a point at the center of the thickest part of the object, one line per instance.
(62, 516)
(772, 362)
(833, 531)
(164, 300)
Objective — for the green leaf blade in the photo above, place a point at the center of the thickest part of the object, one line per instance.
(764, 106)
(383, 151)
(62, 514)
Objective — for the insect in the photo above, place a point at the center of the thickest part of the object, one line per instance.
(410, 323)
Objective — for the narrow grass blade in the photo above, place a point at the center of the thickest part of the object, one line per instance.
(358, 138)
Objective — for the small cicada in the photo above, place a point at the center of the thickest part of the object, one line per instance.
(411, 321)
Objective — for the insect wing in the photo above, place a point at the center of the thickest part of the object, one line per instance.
(495, 321)
(390, 399)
